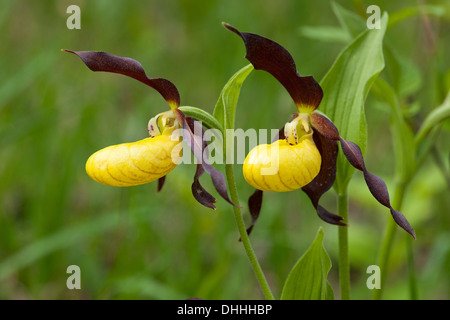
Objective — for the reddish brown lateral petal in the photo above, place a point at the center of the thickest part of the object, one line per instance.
(103, 61)
(329, 217)
(324, 180)
(323, 125)
(353, 154)
(194, 139)
(377, 188)
(254, 205)
(161, 183)
(199, 193)
(375, 184)
(265, 54)
(402, 222)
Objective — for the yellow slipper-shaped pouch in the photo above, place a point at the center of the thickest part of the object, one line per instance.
(281, 166)
(143, 161)
(135, 163)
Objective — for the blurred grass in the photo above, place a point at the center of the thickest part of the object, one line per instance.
(136, 243)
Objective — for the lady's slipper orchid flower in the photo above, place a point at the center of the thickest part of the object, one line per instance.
(306, 149)
(143, 161)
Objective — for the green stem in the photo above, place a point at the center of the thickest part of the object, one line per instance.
(244, 236)
(413, 292)
(344, 265)
(388, 240)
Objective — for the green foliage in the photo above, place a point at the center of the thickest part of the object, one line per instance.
(346, 86)
(60, 240)
(225, 110)
(403, 137)
(308, 278)
(137, 244)
(434, 118)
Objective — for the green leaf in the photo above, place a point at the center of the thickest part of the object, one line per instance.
(403, 136)
(345, 88)
(405, 75)
(225, 108)
(201, 115)
(433, 119)
(325, 33)
(428, 9)
(308, 278)
(352, 23)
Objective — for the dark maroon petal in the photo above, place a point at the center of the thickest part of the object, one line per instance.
(329, 217)
(103, 61)
(200, 194)
(269, 56)
(402, 222)
(325, 179)
(194, 139)
(375, 184)
(353, 154)
(323, 125)
(254, 205)
(377, 188)
(161, 183)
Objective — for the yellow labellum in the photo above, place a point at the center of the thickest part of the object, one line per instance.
(135, 163)
(281, 166)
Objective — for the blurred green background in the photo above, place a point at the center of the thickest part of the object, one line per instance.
(134, 243)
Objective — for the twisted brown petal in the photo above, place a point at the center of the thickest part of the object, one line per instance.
(103, 61)
(196, 143)
(269, 56)
(376, 185)
(354, 155)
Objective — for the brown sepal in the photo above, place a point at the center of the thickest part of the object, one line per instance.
(106, 62)
(254, 205)
(265, 54)
(325, 179)
(199, 193)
